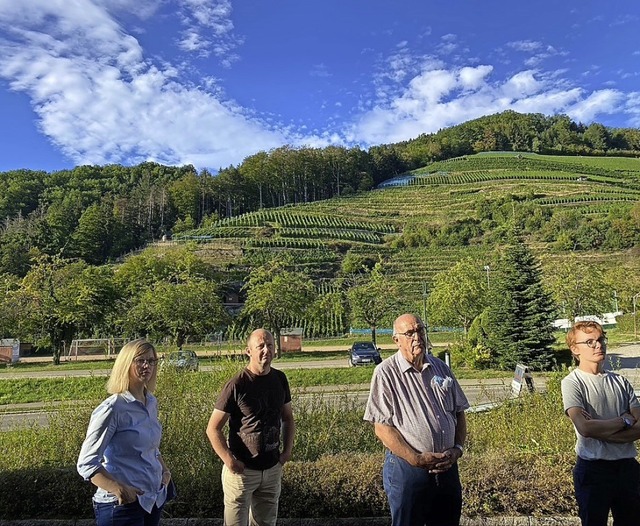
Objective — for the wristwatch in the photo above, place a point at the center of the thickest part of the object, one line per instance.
(626, 422)
(459, 446)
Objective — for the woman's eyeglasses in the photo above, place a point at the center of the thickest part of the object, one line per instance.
(151, 362)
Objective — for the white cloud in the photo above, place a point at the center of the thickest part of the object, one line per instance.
(521, 84)
(473, 78)
(100, 101)
(633, 108)
(528, 46)
(437, 98)
(320, 70)
(597, 103)
(208, 29)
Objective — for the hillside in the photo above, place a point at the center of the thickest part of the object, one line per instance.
(444, 212)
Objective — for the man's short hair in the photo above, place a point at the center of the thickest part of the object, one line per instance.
(584, 326)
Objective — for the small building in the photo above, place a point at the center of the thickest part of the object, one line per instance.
(9, 350)
(291, 339)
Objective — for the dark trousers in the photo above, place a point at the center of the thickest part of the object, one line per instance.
(113, 514)
(419, 498)
(607, 485)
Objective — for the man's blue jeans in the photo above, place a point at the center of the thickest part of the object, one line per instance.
(603, 485)
(113, 514)
(419, 498)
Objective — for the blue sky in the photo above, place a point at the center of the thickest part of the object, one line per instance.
(209, 82)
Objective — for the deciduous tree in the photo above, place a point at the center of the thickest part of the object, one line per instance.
(276, 296)
(458, 295)
(374, 301)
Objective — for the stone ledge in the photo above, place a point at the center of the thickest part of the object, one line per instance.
(355, 521)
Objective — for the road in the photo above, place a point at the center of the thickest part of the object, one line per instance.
(625, 359)
(481, 394)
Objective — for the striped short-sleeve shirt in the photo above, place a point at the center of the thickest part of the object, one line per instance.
(421, 405)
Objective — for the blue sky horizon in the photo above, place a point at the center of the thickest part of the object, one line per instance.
(210, 82)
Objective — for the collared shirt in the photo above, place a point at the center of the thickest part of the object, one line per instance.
(123, 437)
(604, 395)
(421, 405)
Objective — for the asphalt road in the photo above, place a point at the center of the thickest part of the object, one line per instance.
(482, 394)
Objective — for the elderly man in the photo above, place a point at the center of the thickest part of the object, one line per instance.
(417, 408)
(257, 405)
(604, 410)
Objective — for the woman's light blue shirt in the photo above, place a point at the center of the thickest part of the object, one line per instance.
(123, 437)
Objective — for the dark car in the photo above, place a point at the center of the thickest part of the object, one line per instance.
(181, 361)
(364, 353)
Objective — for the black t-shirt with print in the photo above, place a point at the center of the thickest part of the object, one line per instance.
(254, 404)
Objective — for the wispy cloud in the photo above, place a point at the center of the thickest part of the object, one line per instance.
(320, 70)
(100, 100)
(528, 46)
(208, 29)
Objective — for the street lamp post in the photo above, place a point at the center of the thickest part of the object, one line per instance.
(424, 311)
(487, 268)
(635, 325)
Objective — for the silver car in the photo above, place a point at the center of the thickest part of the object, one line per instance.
(364, 353)
(181, 361)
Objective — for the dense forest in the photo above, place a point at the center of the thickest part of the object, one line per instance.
(99, 213)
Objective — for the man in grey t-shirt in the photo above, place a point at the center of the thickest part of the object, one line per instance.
(417, 408)
(605, 411)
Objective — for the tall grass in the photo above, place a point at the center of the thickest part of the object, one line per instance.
(518, 459)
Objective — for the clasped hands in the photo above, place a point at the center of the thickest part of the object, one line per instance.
(437, 462)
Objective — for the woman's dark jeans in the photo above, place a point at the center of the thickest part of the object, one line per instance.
(113, 514)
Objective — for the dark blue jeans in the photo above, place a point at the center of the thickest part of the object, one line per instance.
(419, 498)
(603, 485)
(113, 514)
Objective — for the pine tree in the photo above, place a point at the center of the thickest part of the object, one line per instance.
(521, 312)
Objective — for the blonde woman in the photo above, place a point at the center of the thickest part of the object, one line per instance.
(120, 454)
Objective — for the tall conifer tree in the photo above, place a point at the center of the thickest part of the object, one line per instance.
(521, 312)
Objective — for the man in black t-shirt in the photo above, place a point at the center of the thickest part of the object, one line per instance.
(257, 405)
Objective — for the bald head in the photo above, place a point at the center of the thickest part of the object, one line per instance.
(260, 348)
(259, 334)
(405, 320)
(411, 338)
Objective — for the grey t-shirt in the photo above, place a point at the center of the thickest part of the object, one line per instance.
(421, 405)
(605, 395)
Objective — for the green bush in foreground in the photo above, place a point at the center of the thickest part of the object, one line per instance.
(518, 460)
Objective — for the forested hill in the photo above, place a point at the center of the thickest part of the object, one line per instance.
(98, 213)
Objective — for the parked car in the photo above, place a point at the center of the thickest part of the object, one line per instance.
(181, 361)
(364, 353)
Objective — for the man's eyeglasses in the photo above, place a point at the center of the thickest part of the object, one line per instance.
(410, 334)
(591, 342)
(151, 362)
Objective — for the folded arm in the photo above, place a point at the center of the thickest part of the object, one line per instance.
(608, 430)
